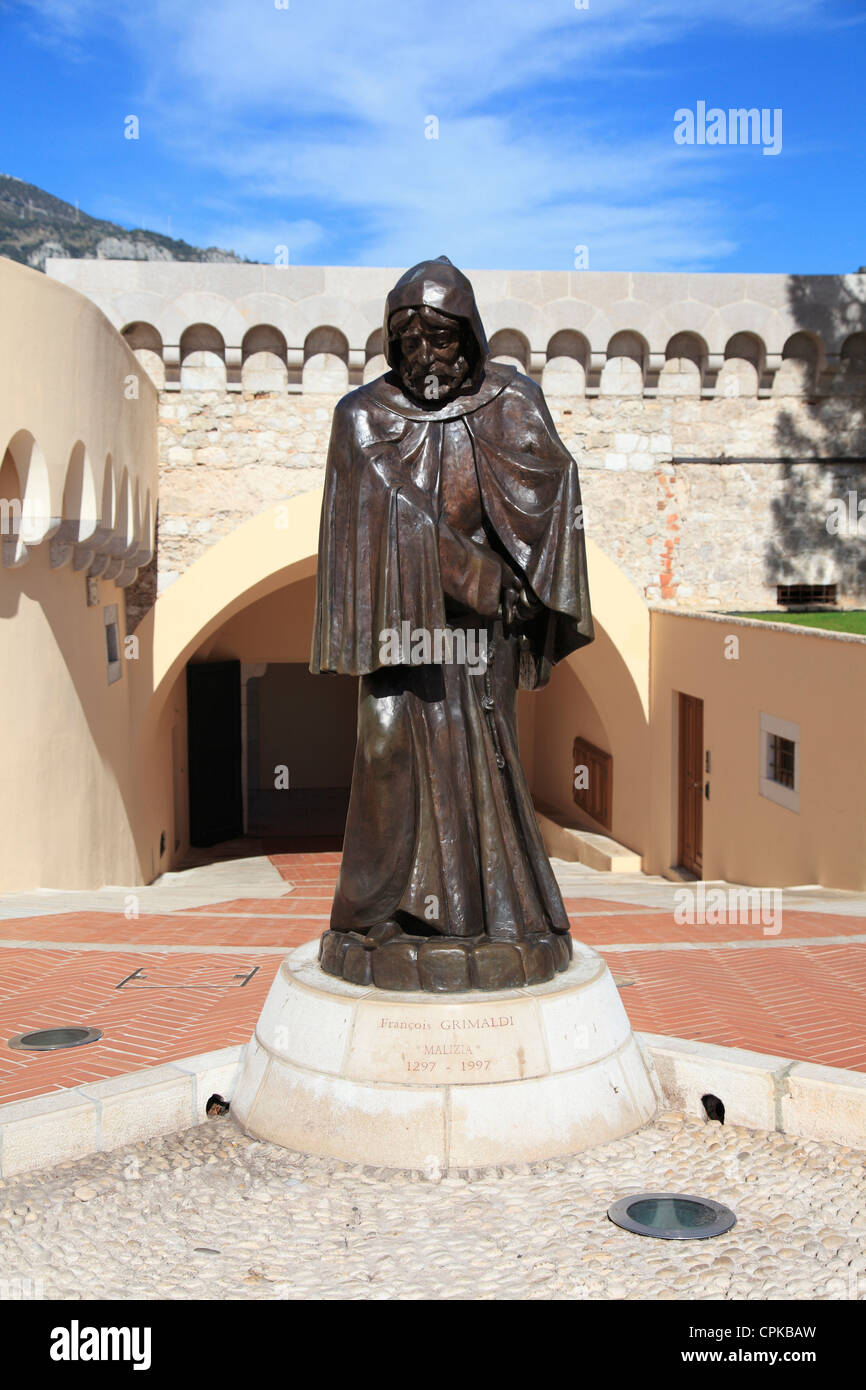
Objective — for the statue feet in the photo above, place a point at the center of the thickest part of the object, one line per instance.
(390, 958)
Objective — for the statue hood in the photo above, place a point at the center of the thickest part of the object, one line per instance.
(439, 285)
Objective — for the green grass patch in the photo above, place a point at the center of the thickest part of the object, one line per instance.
(853, 621)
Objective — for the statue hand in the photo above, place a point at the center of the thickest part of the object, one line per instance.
(519, 603)
(510, 593)
(527, 604)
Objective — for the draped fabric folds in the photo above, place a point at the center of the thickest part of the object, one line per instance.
(441, 830)
(378, 547)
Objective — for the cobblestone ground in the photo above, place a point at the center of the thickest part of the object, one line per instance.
(211, 1214)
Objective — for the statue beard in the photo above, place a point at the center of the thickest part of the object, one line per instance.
(438, 381)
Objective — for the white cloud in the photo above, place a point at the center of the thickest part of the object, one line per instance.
(320, 109)
(259, 240)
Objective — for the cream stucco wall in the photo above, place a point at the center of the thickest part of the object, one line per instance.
(601, 693)
(65, 814)
(90, 790)
(71, 385)
(816, 680)
(78, 445)
(275, 628)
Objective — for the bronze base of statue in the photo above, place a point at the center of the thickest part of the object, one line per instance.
(390, 958)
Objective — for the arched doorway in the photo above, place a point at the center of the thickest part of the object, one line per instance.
(283, 738)
(249, 601)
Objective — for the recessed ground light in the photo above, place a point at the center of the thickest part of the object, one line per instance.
(671, 1216)
(53, 1039)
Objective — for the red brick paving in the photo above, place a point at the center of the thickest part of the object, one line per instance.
(804, 1002)
(304, 873)
(774, 995)
(601, 905)
(662, 927)
(174, 929)
(310, 897)
(182, 1005)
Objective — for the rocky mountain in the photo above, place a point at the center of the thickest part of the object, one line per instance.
(35, 225)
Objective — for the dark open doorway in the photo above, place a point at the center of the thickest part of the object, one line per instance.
(271, 751)
(300, 748)
(213, 692)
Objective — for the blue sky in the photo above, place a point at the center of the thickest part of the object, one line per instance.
(305, 127)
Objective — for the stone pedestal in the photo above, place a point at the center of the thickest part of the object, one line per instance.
(443, 1081)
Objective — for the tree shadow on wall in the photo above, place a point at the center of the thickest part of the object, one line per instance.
(803, 547)
(812, 539)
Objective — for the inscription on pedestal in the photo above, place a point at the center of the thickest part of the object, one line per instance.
(452, 1044)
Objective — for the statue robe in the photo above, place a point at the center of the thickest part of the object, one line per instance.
(441, 828)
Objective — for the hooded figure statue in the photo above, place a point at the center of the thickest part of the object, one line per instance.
(451, 572)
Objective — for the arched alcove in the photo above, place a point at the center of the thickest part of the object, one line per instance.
(564, 372)
(801, 363)
(511, 347)
(264, 360)
(80, 507)
(850, 378)
(685, 362)
(375, 363)
(33, 510)
(746, 347)
(126, 523)
(853, 353)
(146, 343)
(623, 372)
(741, 371)
(202, 359)
(326, 361)
(11, 550)
(107, 511)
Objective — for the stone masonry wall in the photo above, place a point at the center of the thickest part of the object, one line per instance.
(703, 502)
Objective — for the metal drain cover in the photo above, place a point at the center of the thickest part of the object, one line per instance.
(53, 1039)
(671, 1216)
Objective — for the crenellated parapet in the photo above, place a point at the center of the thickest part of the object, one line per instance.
(291, 329)
(78, 455)
(719, 421)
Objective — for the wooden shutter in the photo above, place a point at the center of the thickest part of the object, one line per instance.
(596, 799)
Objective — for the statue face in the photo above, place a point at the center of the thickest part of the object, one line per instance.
(433, 365)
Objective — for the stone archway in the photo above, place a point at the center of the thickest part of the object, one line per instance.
(203, 612)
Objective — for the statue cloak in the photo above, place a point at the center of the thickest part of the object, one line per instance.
(441, 830)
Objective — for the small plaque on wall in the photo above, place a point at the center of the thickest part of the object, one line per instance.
(592, 780)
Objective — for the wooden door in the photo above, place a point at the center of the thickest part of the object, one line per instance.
(691, 783)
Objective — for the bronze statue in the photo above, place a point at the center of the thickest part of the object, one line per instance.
(451, 571)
